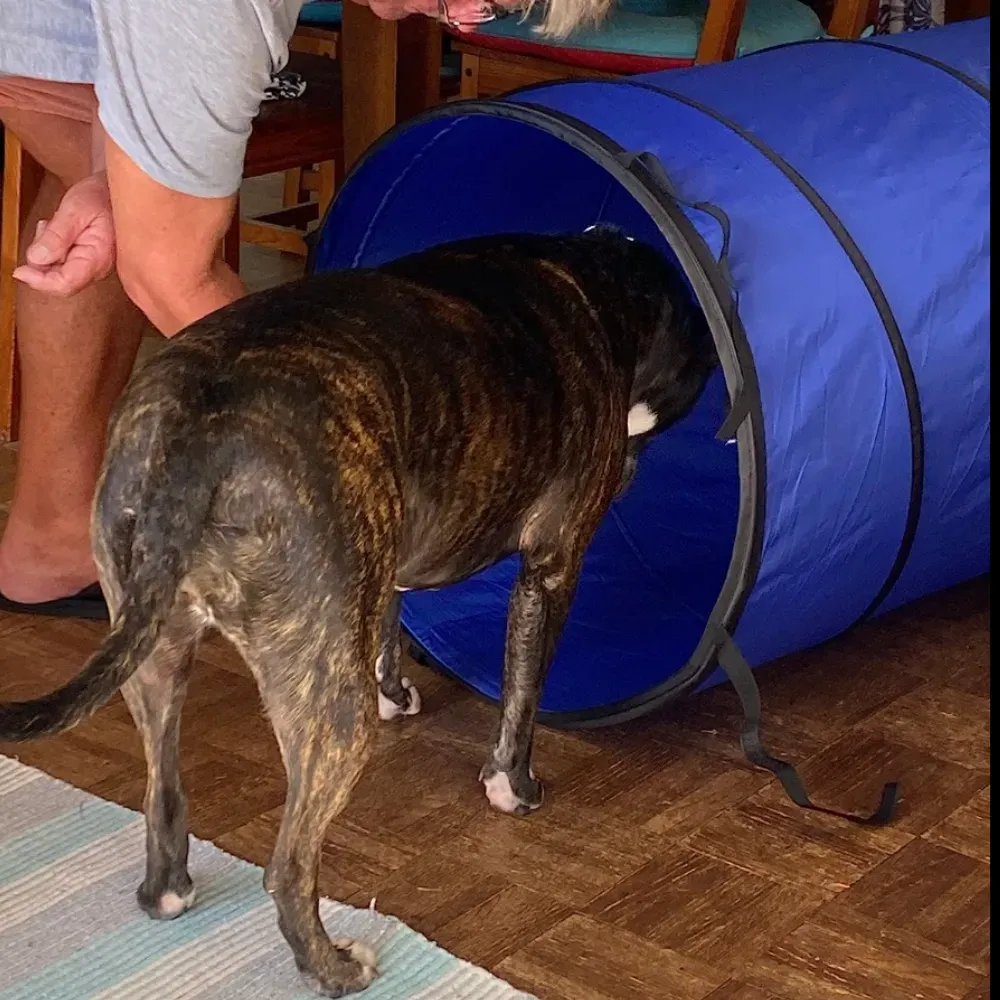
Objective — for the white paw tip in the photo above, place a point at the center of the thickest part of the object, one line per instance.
(414, 705)
(389, 710)
(173, 904)
(363, 954)
(500, 792)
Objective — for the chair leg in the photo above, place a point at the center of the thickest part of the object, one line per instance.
(470, 77)
(326, 177)
(21, 178)
(721, 32)
(850, 18)
(292, 189)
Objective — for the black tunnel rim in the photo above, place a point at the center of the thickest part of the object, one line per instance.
(971, 82)
(736, 360)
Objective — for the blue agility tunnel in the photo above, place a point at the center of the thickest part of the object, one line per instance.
(829, 203)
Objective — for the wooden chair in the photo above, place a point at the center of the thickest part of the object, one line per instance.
(321, 38)
(293, 137)
(286, 135)
(21, 177)
(417, 82)
(497, 66)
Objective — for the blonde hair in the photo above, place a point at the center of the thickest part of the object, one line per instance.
(563, 16)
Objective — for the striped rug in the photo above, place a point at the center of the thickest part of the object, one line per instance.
(70, 928)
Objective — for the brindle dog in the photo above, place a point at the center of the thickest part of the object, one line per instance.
(288, 465)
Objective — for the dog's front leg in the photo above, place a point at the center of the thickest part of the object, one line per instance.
(538, 609)
(396, 694)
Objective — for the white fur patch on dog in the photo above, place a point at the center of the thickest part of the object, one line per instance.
(641, 420)
(363, 954)
(500, 792)
(173, 904)
(389, 710)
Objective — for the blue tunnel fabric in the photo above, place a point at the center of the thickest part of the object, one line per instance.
(847, 187)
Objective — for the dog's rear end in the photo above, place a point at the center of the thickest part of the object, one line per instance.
(214, 513)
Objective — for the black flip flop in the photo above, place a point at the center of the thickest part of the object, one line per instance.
(88, 603)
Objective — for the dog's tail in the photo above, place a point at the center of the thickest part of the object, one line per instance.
(152, 535)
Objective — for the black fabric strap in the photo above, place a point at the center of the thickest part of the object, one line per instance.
(652, 165)
(741, 677)
(738, 412)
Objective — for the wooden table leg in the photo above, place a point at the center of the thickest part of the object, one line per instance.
(368, 68)
(418, 69)
(721, 31)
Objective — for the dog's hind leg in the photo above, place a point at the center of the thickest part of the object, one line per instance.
(154, 695)
(396, 694)
(322, 706)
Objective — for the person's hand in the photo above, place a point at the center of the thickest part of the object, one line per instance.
(463, 15)
(77, 245)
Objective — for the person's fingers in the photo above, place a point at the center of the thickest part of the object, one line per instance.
(56, 237)
(61, 281)
(42, 279)
(80, 206)
(83, 265)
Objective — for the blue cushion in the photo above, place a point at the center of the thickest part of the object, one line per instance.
(670, 29)
(321, 14)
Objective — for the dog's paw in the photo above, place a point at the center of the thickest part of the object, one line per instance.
(356, 970)
(363, 955)
(165, 905)
(508, 794)
(388, 709)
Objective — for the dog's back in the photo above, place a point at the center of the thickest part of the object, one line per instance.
(437, 400)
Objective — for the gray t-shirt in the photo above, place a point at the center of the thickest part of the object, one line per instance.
(179, 81)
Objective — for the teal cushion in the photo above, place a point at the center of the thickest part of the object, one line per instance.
(322, 14)
(670, 29)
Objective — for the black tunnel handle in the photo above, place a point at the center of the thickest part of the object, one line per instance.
(653, 166)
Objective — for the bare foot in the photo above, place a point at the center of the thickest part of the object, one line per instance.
(38, 566)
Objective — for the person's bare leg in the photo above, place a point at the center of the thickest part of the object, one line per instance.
(75, 355)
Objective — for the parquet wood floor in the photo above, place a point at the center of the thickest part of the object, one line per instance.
(662, 866)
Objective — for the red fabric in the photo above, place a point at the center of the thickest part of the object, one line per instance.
(607, 62)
